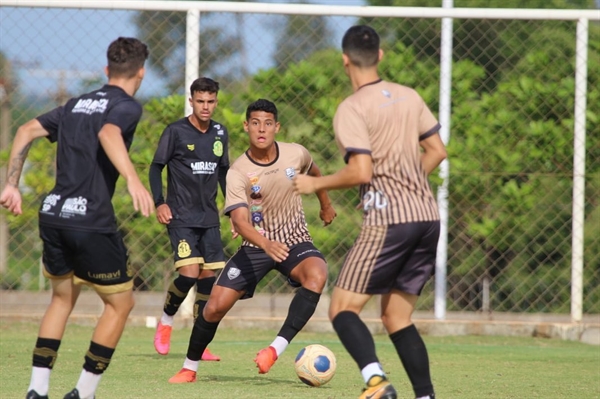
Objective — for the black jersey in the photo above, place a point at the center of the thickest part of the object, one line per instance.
(194, 161)
(85, 177)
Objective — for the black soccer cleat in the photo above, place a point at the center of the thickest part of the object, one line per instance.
(74, 394)
(379, 387)
(34, 395)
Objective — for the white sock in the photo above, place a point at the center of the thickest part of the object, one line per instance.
(190, 364)
(40, 380)
(279, 344)
(166, 320)
(370, 370)
(424, 397)
(87, 384)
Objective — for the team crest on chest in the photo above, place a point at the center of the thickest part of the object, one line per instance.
(290, 172)
(183, 249)
(191, 147)
(218, 148)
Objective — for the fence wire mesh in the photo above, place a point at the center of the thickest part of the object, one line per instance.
(510, 152)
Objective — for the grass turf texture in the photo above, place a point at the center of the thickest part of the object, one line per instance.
(462, 367)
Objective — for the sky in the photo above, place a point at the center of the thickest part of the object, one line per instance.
(47, 46)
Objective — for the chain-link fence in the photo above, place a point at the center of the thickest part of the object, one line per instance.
(510, 152)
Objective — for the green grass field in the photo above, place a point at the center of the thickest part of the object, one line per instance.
(462, 367)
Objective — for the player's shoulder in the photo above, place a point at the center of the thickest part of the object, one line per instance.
(177, 126)
(219, 129)
(240, 164)
(285, 147)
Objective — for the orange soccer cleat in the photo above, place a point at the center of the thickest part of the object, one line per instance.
(183, 376)
(207, 356)
(265, 359)
(379, 387)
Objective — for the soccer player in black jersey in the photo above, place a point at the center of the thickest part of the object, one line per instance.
(76, 219)
(195, 151)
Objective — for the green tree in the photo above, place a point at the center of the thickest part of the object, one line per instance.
(496, 45)
(165, 32)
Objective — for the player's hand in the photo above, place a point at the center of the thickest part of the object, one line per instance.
(11, 199)
(234, 233)
(304, 184)
(163, 214)
(142, 200)
(327, 214)
(277, 251)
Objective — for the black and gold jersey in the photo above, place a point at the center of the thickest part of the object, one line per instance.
(194, 160)
(85, 177)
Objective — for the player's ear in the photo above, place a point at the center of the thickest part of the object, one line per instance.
(141, 73)
(345, 60)
(380, 55)
(246, 126)
(277, 126)
(106, 71)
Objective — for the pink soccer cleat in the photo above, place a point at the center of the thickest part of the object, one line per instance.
(162, 338)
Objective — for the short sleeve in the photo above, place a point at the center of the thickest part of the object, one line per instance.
(50, 121)
(428, 124)
(351, 131)
(224, 161)
(236, 191)
(306, 160)
(125, 114)
(164, 151)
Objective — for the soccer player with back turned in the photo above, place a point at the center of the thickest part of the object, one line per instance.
(195, 150)
(81, 244)
(269, 216)
(381, 130)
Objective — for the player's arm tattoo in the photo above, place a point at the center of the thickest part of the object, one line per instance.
(16, 166)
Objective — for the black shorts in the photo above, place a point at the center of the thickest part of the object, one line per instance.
(249, 265)
(400, 256)
(96, 259)
(197, 246)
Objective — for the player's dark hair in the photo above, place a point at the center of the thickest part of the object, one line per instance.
(361, 44)
(261, 105)
(126, 56)
(204, 84)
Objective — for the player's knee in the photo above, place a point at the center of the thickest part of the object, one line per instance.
(314, 278)
(213, 313)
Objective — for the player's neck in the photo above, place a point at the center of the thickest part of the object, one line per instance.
(198, 124)
(129, 86)
(263, 156)
(363, 77)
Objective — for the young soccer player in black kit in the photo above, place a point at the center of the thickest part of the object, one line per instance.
(195, 151)
(76, 219)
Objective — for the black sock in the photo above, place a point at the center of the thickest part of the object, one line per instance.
(45, 352)
(413, 354)
(177, 292)
(203, 288)
(203, 333)
(356, 337)
(301, 309)
(97, 358)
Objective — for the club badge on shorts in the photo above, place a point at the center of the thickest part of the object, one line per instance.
(232, 273)
(183, 249)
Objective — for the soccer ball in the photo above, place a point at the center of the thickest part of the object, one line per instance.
(315, 365)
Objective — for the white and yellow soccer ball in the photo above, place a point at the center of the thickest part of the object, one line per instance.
(315, 365)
